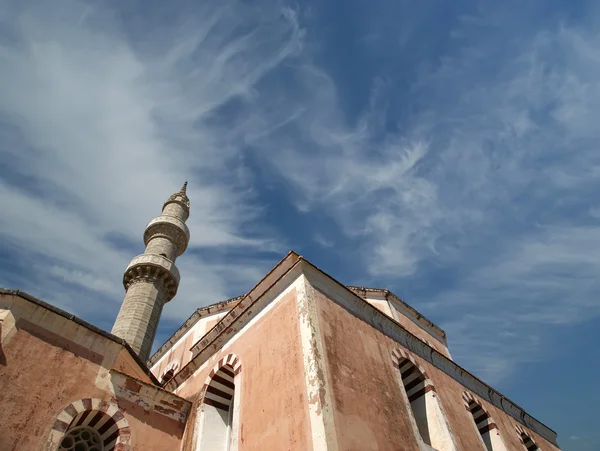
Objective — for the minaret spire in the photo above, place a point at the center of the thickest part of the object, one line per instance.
(151, 279)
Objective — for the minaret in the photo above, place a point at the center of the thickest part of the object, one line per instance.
(151, 279)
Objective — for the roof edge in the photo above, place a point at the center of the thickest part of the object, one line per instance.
(386, 292)
(91, 327)
(190, 322)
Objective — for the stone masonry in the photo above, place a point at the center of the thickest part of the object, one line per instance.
(151, 279)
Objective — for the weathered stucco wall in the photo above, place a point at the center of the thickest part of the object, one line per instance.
(47, 362)
(369, 410)
(271, 386)
(38, 380)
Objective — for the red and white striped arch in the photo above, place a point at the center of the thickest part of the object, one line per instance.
(526, 439)
(414, 377)
(219, 385)
(103, 416)
(481, 416)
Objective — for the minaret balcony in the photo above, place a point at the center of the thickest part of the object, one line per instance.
(171, 228)
(152, 268)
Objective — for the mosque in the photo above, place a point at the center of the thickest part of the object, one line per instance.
(300, 362)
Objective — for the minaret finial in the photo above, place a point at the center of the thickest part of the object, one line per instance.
(183, 188)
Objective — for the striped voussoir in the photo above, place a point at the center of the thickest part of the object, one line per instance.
(106, 418)
(482, 418)
(414, 378)
(219, 387)
(526, 439)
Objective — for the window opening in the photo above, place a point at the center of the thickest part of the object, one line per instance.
(528, 442)
(217, 425)
(414, 385)
(425, 407)
(81, 438)
(90, 430)
(486, 427)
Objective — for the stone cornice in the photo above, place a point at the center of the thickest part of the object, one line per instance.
(189, 323)
(412, 313)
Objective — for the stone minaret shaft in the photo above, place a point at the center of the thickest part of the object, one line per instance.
(151, 279)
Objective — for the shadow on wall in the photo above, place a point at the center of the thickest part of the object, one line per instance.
(419, 408)
(2, 355)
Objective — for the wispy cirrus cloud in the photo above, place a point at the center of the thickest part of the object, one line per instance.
(481, 167)
(492, 180)
(102, 117)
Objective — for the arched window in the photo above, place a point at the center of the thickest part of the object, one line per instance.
(528, 441)
(425, 407)
(81, 438)
(217, 411)
(90, 430)
(485, 425)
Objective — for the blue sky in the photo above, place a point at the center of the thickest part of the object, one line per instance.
(448, 151)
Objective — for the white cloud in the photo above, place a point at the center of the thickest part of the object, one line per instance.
(99, 125)
(495, 178)
(488, 178)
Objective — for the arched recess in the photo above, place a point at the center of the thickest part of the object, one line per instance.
(90, 416)
(424, 403)
(219, 407)
(485, 424)
(526, 439)
(169, 372)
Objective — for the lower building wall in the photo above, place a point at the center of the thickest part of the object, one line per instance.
(38, 381)
(42, 373)
(273, 414)
(370, 412)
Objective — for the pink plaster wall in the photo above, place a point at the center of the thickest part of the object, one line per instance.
(369, 412)
(271, 387)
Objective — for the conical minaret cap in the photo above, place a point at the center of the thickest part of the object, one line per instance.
(180, 197)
